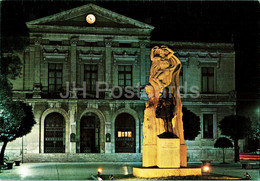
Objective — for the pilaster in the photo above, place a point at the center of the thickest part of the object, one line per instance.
(142, 63)
(37, 68)
(108, 62)
(27, 69)
(108, 68)
(73, 67)
(72, 116)
(73, 60)
(108, 131)
(37, 60)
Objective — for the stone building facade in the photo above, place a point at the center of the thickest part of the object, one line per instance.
(70, 54)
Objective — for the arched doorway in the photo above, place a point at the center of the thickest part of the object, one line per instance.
(89, 133)
(54, 133)
(125, 134)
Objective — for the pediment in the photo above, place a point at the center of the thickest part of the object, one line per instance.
(77, 18)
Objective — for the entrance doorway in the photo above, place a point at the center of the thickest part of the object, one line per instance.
(54, 133)
(125, 134)
(89, 133)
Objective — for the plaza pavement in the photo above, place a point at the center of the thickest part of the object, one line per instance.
(83, 170)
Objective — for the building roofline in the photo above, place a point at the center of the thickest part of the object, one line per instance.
(196, 45)
(90, 6)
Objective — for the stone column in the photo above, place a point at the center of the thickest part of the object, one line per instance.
(141, 137)
(72, 116)
(73, 64)
(108, 62)
(73, 59)
(31, 67)
(138, 136)
(27, 69)
(37, 68)
(142, 63)
(108, 145)
(108, 65)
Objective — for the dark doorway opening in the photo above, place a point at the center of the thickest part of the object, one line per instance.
(125, 134)
(54, 133)
(89, 133)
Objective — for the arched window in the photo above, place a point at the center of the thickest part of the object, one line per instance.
(54, 133)
(89, 133)
(125, 134)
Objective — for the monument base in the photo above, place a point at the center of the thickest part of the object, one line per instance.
(149, 155)
(165, 172)
(168, 152)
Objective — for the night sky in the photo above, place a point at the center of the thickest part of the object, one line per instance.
(228, 22)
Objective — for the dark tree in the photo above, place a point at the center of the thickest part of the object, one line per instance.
(236, 127)
(191, 124)
(16, 118)
(223, 143)
(254, 138)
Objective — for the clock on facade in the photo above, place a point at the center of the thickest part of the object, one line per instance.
(90, 18)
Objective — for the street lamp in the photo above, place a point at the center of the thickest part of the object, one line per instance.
(206, 168)
(99, 171)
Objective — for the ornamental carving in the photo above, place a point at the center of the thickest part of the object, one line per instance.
(90, 56)
(208, 59)
(184, 57)
(125, 56)
(55, 54)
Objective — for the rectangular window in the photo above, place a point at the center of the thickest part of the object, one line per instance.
(207, 125)
(55, 76)
(207, 79)
(124, 75)
(90, 77)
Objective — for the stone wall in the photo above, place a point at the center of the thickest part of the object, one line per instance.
(90, 157)
(214, 154)
(194, 155)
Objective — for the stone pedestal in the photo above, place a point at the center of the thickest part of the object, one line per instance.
(168, 152)
(149, 155)
(169, 155)
(165, 172)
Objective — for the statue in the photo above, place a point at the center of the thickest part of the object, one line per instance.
(164, 73)
(166, 109)
(164, 67)
(163, 138)
(163, 112)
